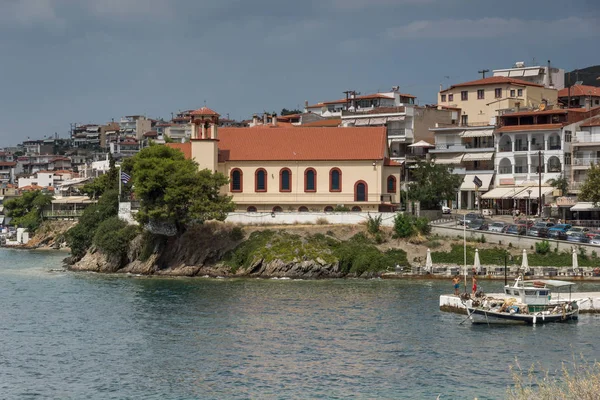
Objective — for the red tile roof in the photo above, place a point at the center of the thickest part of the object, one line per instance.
(204, 111)
(532, 113)
(519, 128)
(36, 187)
(298, 143)
(493, 80)
(7, 164)
(151, 134)
(580, 90)
(593, 122)
(334, 122)
(185, 148)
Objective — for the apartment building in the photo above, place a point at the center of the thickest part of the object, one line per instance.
(585, 146)
(481, 101)
(580, 96)
(134, 126)
(547, 76)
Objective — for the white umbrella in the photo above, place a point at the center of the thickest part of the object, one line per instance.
(525, 263)
(428, 262)
(575, 262)
(477, 263)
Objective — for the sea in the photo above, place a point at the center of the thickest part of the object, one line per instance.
(67, 335)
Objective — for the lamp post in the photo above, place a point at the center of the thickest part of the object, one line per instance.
(528, 209)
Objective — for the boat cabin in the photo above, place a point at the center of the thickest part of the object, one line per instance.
(537, 293)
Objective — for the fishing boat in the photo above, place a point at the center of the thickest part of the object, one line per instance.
(525, 302)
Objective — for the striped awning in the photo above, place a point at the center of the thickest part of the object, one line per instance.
(469, 185)
(478, 156)
(532, 192)
(361, 122)
(378, 121)
(448, 158)
(502, 193)
(396, 118)
(584, 206)
(477, 133)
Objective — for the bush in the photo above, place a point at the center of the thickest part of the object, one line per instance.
(374, 224)
(403, 227)
(339, 208)
(113, 236)
(322, 221)
(422, 225)
(542, 247)
(237, 233)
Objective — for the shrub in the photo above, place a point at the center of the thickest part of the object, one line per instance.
(542, 247)
(594, 254)
(403, 226)
(582, 252)
(374, 224)
(322, 221)
(236, 233)
(330, 233)
(340, 208)
(422, 225)
(113, 236)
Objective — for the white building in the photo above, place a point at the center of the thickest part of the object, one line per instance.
(43, 179)
(586, 150)
(550, 77)
(134, 126)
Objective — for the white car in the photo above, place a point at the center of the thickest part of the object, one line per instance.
(446, 210)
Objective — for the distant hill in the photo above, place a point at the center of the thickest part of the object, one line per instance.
(588, 75)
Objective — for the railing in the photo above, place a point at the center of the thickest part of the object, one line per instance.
(507, 148)
(505, 170)
(585, 161)
(554, 147)
(396, 132)
(450, 146)
(62, 214)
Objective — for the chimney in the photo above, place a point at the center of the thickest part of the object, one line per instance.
(587, 103)
(274, 119)
(305, 104)
(254, 120)
(265, 119)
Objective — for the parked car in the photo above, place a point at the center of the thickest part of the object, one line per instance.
(527, 222)
(559, 231)
(540, 229)
(595, 240)
(478, 225)
(515, 229)
(592, 233)
(446, 210)
(577, 229)
(578, 237)
(498, 227)
(470, 217)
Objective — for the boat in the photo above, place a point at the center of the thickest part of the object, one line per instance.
(525, 302)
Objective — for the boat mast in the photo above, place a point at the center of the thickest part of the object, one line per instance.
(465, 247)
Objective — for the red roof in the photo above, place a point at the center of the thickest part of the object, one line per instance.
(36, 187)
(532, 113)
(580, 90)
(185, 148)
(493, 80)
(519, 128)
(151, 134)
(334, 122)
(298, 143)
(204, 111)
(7, 164)
(593, 122)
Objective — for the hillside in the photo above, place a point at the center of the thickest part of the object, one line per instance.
(589, 76)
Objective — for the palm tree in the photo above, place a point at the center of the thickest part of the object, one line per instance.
(561, 183)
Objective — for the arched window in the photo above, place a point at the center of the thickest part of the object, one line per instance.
(553, 164)
(356, 209)
(391, 184)
(285, 180)
(360, 191)
(328, 209)
(303, 209)
(251, 209)
(335, 180)
(236, 182)
(260, 181)
(310, 180)
(505, 166)
(277, 209)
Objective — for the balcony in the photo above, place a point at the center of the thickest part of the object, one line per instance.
(396, 132)
(505, 148)
(585, 161)
(450, 147)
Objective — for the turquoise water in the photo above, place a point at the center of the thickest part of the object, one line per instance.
(78, 335)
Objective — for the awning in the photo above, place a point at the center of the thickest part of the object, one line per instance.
(535, 191)
(478, 156)
(584, 206)
(500, 73)
(468, 184)
(518, 72)
(421, 143)
(448, 158)
(361, 122)
(349, 121)
(532, 72)
(396, 118)
(378, 121)
(477, 133)
(502, 193)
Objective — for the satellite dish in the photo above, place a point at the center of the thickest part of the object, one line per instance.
(542, 107)
(578, 83)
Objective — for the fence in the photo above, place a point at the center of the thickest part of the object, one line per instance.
(283, 218)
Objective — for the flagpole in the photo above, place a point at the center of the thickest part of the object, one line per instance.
(119, 183)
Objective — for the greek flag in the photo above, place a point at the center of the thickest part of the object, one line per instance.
(125, 177)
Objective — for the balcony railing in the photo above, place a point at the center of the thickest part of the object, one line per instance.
(396, 132)
(505, 170)
(506, 148)
(62, 214)
(585, 161)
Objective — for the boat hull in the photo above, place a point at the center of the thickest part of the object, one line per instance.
(481, 316)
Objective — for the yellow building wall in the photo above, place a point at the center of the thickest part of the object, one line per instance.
(481, 111)
(352, 171)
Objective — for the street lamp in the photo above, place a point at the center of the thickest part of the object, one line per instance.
(528, 208)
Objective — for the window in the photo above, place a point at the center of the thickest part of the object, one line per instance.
(464, 119)
(360, 191)
(391, 184)
(251, 209)
(303, 209)
(285, 180)
(310, 180)
(277, 209)
(498, 93)
(356, 209)
(335, 180)
(464, 95)
(328, 209)
(260, 184)
(520, 92)
(596, 102)
(451, 97)
(480, 94)
(443, 98)
(236, 184)
(512, 92)
(568, 136)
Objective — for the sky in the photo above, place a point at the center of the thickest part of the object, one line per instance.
(90, 61)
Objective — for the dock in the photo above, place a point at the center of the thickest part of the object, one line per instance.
(588, 302)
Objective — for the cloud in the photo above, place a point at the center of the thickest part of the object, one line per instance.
(495, 28)
(28, 12)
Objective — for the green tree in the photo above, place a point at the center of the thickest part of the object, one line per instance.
(285, 111)
(561, 183)
(403, 226)
(432, 184)
(26, 211)
(171, 190)
(590, 190)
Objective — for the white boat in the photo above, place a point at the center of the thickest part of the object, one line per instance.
(528, 302)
